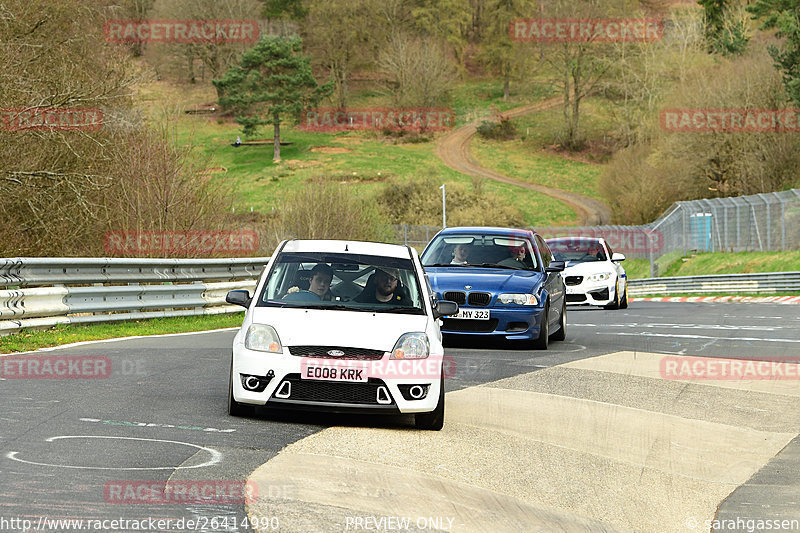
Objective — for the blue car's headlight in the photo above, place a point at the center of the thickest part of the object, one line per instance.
(518, 299)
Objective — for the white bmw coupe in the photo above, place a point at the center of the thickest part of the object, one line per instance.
(593, 273)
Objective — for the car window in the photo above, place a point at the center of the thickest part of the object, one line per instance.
(544, 250)
(484, 250)
(577, 250)
(353, 278)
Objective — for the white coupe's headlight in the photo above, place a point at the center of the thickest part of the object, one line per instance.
(262, 338)
(519, 299)
(411, 346)
(601, 276)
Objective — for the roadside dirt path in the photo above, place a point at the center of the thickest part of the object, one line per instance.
(453, 150)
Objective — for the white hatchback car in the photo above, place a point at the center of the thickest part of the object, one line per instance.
(341, 326)
(593, 275)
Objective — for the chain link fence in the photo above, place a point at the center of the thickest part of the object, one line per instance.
(755, 223)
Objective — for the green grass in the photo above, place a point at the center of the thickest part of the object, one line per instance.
(28, 340)
(545, 128)
(637, 268)
(734, 263)
(517, 160)
(531, 157)
(673, 264)
(474, 99)
(361, 160)
(703, 294)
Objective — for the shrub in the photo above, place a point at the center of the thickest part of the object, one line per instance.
(419, 201)
(330, 211)
(504, 130)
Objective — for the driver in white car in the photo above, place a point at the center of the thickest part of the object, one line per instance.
(320, 283)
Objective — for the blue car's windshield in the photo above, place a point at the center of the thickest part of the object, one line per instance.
(484, 251)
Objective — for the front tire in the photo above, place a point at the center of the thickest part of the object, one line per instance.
(543, 339)
(616, 303)
(561, 334)
(433, 421)
(623, 304)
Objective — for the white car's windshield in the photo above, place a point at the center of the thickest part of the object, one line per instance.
(488, 251)
(352, 282)
(577, 251)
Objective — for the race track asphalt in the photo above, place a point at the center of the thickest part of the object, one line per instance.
(588, 436)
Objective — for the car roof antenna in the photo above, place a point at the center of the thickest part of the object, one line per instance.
(345, 248)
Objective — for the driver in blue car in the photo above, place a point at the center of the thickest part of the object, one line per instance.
(516, 257)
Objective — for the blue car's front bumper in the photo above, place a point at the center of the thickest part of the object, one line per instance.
(517, 323)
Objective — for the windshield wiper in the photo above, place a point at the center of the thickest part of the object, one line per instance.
(495, 265)
(397, 308)
(338, 307)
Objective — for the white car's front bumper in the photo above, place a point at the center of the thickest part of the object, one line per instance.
(592, 293)
(283, 383)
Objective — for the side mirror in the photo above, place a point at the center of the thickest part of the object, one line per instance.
(555, 266)
(617, 257)
(444, 308)
(239, 297)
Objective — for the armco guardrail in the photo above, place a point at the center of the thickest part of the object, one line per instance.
(775, 282)
(38, 271)
(43, 292)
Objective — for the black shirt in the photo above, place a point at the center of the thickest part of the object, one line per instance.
(367, 296)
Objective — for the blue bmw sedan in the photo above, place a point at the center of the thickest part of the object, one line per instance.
(505, 281)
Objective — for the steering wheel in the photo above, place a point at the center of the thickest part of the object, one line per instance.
(301, 296)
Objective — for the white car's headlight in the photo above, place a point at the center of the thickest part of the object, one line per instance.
(600, 276)
(411, 346)
(519, 299)
(262, 338)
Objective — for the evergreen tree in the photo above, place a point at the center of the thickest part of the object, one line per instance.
(272, 80)
(724, 35)
(783, 16)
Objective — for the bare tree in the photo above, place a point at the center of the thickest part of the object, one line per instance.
(62, 189)
(447, 21)
(340, 40)
(419, 71)
(645, 71)
(216, 57)
(579, 65)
